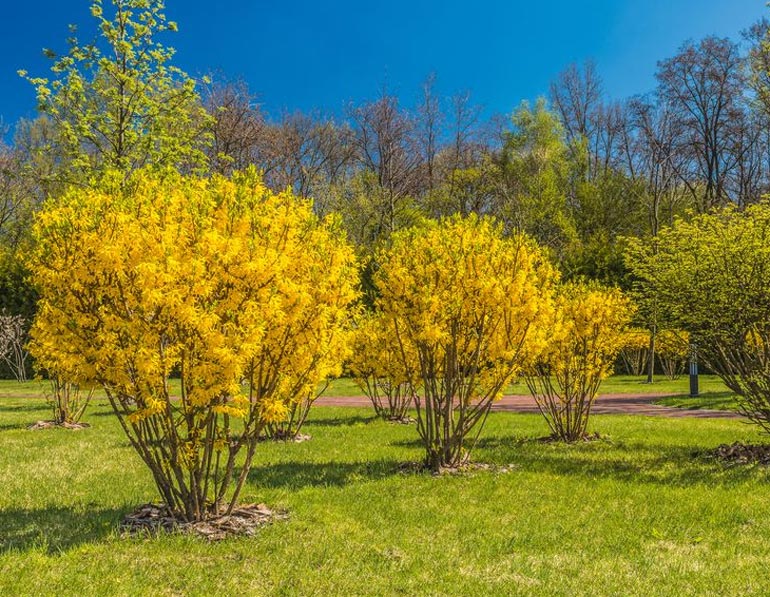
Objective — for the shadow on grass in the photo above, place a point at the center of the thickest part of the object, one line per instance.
(23, 408)
(14, 427)
(415, 442)
(55, 529)
(680, 466)
(725, 400)
(296, 475)
(340, 421)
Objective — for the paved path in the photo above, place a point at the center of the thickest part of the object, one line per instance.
(608, 404)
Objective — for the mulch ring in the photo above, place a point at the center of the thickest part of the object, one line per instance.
(588, 437)
(246, 520)
(288, 438)
(464, 469)
(740, 453)
(401, 420)
(54, 425)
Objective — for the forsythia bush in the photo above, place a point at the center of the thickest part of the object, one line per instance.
(673, 348)
(239, 291)
(635, 350)
(379, 369)
(470, 308)
(584, 342)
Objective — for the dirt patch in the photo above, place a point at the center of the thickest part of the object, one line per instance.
(401, 420)
(284, 437)
(246, 520)
(588, 437)
(54, 425)
(464, 469)
(740, 453)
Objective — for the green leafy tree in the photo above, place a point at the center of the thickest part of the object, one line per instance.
(535, 173)
(119, 103)
(711, 278)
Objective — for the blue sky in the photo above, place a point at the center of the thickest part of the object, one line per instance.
(304, 54)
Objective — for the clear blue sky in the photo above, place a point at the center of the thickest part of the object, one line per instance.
(310, 54)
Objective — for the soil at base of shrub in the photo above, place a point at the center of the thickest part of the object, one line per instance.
(280, 437)
(740, 453)
(54, 425)
(464, 469)
(245, 520)
(555, 439)
(401, 420)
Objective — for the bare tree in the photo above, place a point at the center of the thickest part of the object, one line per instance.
(240, 134)
(384, 139)
(312, 151)
(703, 86)
(14, 333)
(429, 127)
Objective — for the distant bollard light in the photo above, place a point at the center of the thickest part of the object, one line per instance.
(694, 371)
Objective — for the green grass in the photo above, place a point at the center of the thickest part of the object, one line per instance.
(707, 400)
(642, 512)
(617, 384)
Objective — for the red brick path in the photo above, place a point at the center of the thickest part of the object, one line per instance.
(615, 404)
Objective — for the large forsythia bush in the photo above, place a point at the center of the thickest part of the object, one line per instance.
(240, 292)
(474, 309)
(583, 346)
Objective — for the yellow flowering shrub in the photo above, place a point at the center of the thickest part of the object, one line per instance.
(673, 350)
(239, 291)
(470, 309)
(379, 369)
(635, 350)
(584, 341)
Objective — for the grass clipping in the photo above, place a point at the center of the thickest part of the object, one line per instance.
(152, 519)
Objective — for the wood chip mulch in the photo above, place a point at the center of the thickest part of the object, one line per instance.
(246, 520)
(465, 469)
(740, 453)
(54, 425)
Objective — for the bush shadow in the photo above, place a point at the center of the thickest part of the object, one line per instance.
(23, 408)
(340, 421)
(407, 443)
(55, 529)
(298, 475)
(14, 427)
(680, 466)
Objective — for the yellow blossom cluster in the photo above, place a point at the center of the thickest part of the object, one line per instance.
(383, 367)
(474, 308)
(240, 292)
(584, 341)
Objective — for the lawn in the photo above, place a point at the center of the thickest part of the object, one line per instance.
(617, 384)
(644, 511)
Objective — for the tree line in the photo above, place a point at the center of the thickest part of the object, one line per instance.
(576, 170)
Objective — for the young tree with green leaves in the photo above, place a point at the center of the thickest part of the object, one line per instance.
(711, 278)
(119, 103)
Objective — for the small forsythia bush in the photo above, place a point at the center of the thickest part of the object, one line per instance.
(584, 342)
(471, 309)
(380, 369)
(240, 292)
(673, 348)
(635, 350)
